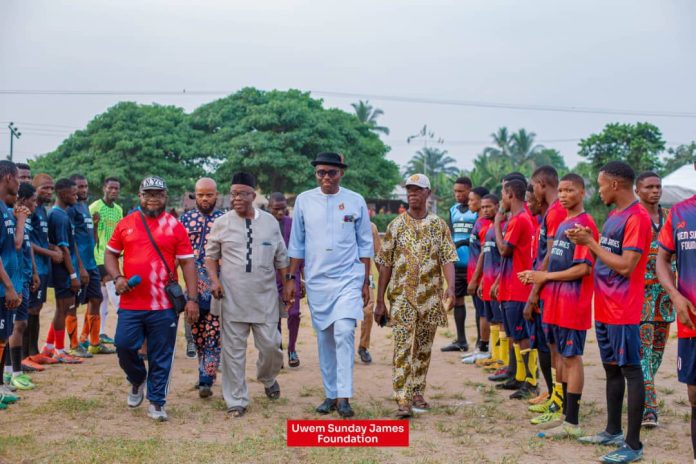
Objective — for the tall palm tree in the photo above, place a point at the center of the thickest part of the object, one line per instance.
(489, 169)
(523, 150)
(367, 114)
(431, 161)
(502, 144)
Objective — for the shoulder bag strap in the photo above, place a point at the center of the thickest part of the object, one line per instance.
(152, 241)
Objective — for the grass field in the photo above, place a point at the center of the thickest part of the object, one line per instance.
(78, 415)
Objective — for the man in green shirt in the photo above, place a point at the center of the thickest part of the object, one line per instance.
(105, 215)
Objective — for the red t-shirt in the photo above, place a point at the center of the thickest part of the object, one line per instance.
(518, 233)
(476, 241)
(555, 214)
(536, 220)
(140, 258)
(569, 303)
(678, 236)
(619, 299)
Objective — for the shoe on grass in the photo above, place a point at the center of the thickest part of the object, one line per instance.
(204, 391)
(100, 349)
(623, 454)
(539, 399)
(22, 382)
(603, 438)
(553, 403)
(477, 356)
(103, 338)
(157, 413)
(66, 358)
(548, 419)
(136, 394)
(565, 430)
(365, 356)
(43, 358)
(455, 346)
(6, 396)
(293, 359)
(78, 352)
(30, 366)
(650, 420)
(191, 352)
(526, 391)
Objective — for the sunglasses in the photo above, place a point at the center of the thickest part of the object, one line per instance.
(330, 172)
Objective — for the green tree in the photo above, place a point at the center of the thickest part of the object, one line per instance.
(130, 141)
(431, 161)
(367, 114)
(275, 134)
(512, 152)
(678, 157)
(489, 170)
(637, 144)
(523, 149)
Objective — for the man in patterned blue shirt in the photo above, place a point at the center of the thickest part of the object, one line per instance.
(206, 332)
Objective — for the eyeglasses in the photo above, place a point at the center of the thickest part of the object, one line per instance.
(240, 194)
(323, 172)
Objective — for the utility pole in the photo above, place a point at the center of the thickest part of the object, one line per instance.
(14, 133)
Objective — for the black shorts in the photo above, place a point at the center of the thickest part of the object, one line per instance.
(515, 325)
(91, 291)
(686, 360)
(493, 312)
(460, 281)
(618, 343)
(38, 297)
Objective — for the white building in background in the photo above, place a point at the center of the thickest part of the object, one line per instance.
(679, 185)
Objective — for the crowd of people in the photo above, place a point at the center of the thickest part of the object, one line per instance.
(532, 259)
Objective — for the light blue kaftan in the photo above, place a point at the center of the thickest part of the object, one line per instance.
(331, 233)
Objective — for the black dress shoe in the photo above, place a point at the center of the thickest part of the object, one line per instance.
(456, 346)
(344, 409)
(365, 355)
(511, 384)
(327, 406)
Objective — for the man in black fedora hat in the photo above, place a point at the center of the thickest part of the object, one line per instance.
(336, 222)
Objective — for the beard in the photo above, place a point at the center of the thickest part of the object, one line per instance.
(153, 213)
(205, 210)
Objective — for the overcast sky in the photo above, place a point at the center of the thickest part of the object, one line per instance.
(631, 55)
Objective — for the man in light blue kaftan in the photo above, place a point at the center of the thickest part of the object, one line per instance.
(331, 233)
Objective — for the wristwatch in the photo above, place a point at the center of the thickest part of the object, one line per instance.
(193, 299)
(289, 277)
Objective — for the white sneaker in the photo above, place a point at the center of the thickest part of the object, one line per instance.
(7, 389)
(157, 413)
(136, 395)
(476, 356)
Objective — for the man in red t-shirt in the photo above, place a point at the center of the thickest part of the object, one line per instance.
(544, 183)
(514, 243)
(622, 254)
(567, 289)
(145, 310)
(677, 238)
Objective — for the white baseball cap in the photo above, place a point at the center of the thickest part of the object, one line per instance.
(419, 180)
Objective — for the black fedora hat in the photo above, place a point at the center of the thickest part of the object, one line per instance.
(330, 159)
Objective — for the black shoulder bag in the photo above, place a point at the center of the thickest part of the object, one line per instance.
(172, 289)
